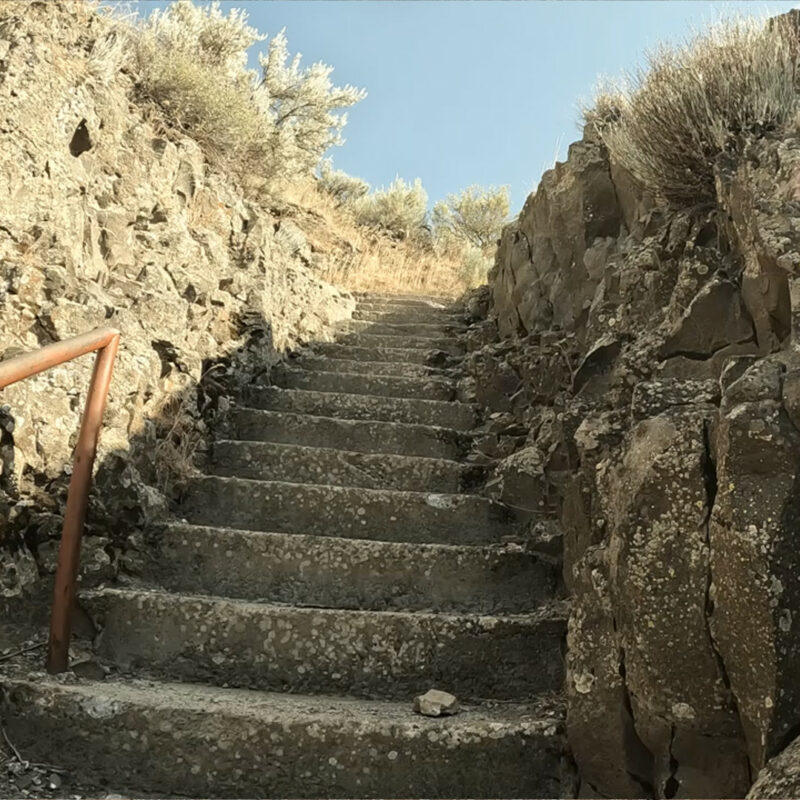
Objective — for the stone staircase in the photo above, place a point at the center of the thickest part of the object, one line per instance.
(330, 567)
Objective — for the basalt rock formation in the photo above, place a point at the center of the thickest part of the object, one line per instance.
(645, 390)
(108, 220)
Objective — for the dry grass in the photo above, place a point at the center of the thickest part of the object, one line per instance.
(365, 260)
(668, 122)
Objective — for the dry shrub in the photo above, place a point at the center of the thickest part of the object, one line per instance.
(219, 116)
(400, 209)
(191, 63)
(178, 441)
(373, 260)
(669, 121)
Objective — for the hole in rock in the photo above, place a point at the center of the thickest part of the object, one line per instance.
(81, 141)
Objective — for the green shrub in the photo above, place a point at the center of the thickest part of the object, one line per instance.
(401, 209)
(192, 62)
(476, 215)
(475, 265)
(343, 188)
(669, 121)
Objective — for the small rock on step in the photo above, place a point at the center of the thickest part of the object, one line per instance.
(436, 703)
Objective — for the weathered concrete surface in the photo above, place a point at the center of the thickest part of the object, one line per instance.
(376, 342)
(371, 312)
(325, 465)
(351, 573)
(347, 511)
(351, 406)
(418, 330)
(424, 388)
(231, 743)
(363, 436)
(374, 352)
(398, 368)
(361, 653)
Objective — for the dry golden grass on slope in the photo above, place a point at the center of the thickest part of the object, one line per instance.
(363, 259)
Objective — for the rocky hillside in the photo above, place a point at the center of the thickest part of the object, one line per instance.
(647, 399)
(110, 219)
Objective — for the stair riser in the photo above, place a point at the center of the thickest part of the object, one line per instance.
(360, 654)
(402, 315)
(227, 754)
(358, 435)
(363, 407)
(396, 368)
(417, 330)
(354, 383)
(343, 573)
(264, 461)
(375, 341)
(353, 513)
(351, 352)
(406, 301)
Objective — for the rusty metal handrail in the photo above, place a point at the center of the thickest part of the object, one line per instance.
(106, 342)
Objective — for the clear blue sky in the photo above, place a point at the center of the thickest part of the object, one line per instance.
(473, 91)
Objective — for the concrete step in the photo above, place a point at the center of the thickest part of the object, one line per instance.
(458, 416)
(384, 514)
(363, 436)
(398, 368)
(332, 572)
(425, 301)
(418, 330)
(353, 352)
(394, 313)
(201, 741)
(423, 388)
(376, 654)
(373, 341)
(325, 465)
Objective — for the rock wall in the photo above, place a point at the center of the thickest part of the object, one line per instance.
(648, 379)
(108, 219)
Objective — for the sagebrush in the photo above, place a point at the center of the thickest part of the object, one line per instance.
(273, 125)
(475, 216)
(669, 121)
(400, 209)
(343, 188)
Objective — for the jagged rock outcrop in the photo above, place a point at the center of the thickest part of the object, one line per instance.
(665, 457)
(110, 220)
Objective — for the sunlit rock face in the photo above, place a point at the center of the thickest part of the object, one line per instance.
(108, 220)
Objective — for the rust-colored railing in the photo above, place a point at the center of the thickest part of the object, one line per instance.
(106, 342)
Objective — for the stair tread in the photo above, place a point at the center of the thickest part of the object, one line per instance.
(364, 436)
(363, 384)
(371, 352)
(342, 405)
(365, 653)
(297, 463)
(423, 344)
(352, 512)
(216, 742)
(337, 572)
(546, 614)
(545, 710)
(364, 367)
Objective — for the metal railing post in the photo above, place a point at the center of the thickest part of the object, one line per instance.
(106, 342)
(75, 513)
